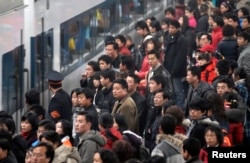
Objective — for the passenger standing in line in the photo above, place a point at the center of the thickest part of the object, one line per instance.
(106, 78)
(121, 41)
(127, 65)
(202, 22)
(112, 49)
(142, 29)
(90, 141)
(125, 105)
(87, 77)
(191, 150)
(140, 101)
(175, 59)
(32, 97)
(60, 105)
(43, 153)
(85, 98)
(104, 62)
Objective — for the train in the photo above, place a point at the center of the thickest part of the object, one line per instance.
(37, 36)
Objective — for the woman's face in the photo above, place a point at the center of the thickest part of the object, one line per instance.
(181, 20)
(211, 138)
(150, 46)
(26, 126)
(97, 158)
(96, 83)
(240, 14)
(74, 99)
(223, 9)
(59, 128)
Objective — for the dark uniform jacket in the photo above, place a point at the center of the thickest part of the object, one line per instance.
(141, 105)
(60, 106)
(175, 59)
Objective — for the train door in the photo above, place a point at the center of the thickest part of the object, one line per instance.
(12, 80)
(41, 62)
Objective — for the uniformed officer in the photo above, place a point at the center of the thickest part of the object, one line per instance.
(60, 106)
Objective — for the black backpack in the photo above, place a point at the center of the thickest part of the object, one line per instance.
(143, 153)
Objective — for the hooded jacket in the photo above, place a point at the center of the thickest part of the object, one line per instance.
(66, 154)
(169, 147)
(89, 143)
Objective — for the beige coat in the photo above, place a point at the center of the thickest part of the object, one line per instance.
(127, 107)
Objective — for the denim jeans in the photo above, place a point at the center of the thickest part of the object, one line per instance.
(179, 92)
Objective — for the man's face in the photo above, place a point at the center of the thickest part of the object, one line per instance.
(172, 30)
(195, 114)
(204, 41)
(153, 86)
(232, 22)
(241, 41)
(158, 99)
(169, 15)
(190, 77)
(131, 84)
(140, 31)
(103, 81)
(39, 155)
(152, 60)
(118, 91)
(111, 51)
(81, 125)
(103, 65)
(89, 71)
(83, 101)
(222, 88)
(245, 24)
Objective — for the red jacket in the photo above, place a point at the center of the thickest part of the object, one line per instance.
(115, 133)
(144, 68)
(208, 74)
(235, 133)
(216, 36)
(124, 51)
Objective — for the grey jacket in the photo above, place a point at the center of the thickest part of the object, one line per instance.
(244, 59)
(89, 143)
(169, 147)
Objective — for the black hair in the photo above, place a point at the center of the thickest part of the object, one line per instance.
(195, 71)
(8, 120)
(244, 10)
(47, 124)
(227, 80)
(67, 129)
(128, 61)
(177, 112)
(203, 8)
(135, 77)
(228, 30)
(204, 56)
(50, 152)
(223, 67)
(175, 23)
(142, 25)
(122, 82)
(156, 24)
(32, 119)
(157, 55)
(159, 79)
(199, 103)
(165, 93)
(88, 93)
(106, 120)
(165, 21)
(88, 117)
(51, 136)
(247, 18)
(168, 124)
(121, 38)
(107, 156)
(121, 121)
(114, 44)
(32, 97)
(108, 74)
(75, 90)
(94, 65)
(218, 20)
(192, 145)
(106, 58)
(245, 35)
(218, 132)
(170, 10)
(38, 110)
(241, 72)
(5, 140)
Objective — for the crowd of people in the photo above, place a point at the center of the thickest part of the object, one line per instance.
(184, 88)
